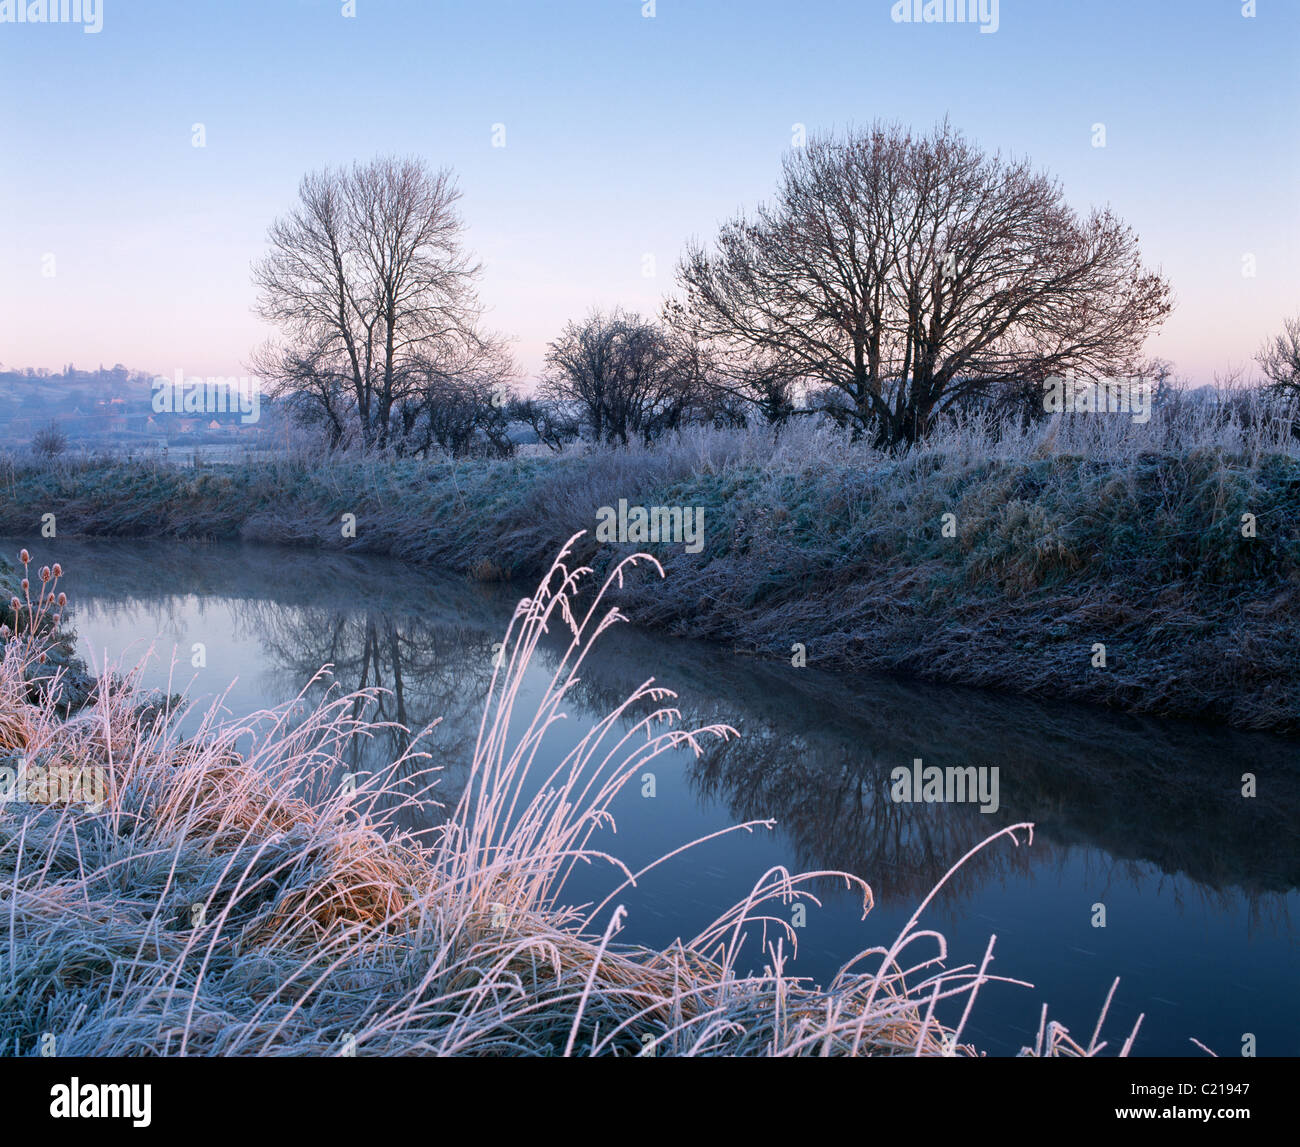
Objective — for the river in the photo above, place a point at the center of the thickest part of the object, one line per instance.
(1143, 817)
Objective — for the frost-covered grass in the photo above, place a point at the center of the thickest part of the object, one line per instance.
(230, 895)
(1092, 530)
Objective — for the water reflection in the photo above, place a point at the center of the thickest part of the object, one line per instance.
(817, 751)
(1119, 802)
(431, 672)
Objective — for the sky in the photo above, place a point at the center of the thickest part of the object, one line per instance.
(630, 126)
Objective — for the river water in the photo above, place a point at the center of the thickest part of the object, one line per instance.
(1144, 818)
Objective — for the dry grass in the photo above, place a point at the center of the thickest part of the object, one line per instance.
(231, 897)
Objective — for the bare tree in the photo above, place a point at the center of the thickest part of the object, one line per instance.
(582, 369)
(49, 441)
(368, 280)
(458, 401)
(1279, 359)
(555, 423)
(463, 416)
(627, 377)
(912, 273)
(740, 377)
(304, 379)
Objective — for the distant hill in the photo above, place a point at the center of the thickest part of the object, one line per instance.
(107, 407)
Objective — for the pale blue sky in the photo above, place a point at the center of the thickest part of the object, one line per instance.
(624, 137)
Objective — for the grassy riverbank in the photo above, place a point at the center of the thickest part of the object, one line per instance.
(1135, 538)
(233, 893)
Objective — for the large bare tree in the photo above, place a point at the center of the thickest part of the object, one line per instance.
(369, 282)
(909, 273)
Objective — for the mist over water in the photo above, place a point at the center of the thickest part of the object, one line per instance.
(1145, 815)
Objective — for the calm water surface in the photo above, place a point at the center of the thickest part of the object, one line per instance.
(1143, 816)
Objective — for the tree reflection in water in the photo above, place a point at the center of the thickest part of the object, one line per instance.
(429, 675)
(815, 751)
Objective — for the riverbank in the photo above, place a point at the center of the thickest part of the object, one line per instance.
(240, 892)
(1153, 581)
